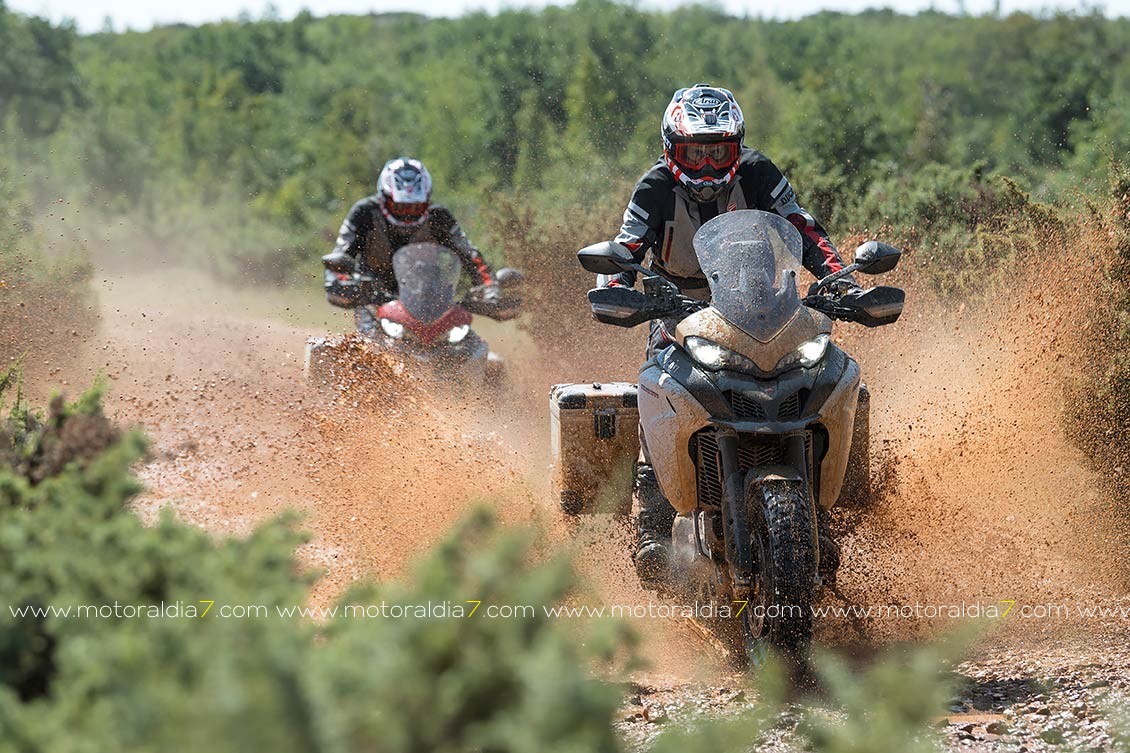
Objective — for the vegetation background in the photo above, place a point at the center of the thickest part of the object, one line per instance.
(978, 142)
(261, 133)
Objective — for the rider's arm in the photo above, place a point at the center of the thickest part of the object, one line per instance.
(774, 193)
(354, 230)
(449, 233)
(641, 228)
(342, 262)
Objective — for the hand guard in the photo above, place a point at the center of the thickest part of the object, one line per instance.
(347, 292)
(488, 300)
(342, 290)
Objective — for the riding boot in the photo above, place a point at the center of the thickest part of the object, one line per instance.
(653, 550)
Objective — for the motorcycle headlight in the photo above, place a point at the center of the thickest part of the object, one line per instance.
(713, 356)
(456, 334)
(392, 329)
(807, 355)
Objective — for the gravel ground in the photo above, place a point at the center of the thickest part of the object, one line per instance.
(1018, 698)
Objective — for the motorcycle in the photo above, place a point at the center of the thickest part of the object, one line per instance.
(425, 326)
(748, 416)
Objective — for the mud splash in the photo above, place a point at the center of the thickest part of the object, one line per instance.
(989, 501)
(404, 459)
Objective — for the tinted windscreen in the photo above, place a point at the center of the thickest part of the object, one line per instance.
(751, 260)
(426, 274)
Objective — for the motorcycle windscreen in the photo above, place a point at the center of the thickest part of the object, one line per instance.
(751, 260)
(426, 275)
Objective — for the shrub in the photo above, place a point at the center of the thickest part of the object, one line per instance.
(203, 681)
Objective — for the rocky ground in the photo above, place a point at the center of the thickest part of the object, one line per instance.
(1016, 699)
(1050, 698)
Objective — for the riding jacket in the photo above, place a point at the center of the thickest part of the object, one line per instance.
(662, 218)
(370, 239)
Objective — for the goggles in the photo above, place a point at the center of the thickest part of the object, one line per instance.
(720, 155)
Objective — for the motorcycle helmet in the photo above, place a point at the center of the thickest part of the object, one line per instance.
(404, 191)
(702, 131)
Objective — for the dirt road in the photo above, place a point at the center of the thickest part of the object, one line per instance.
(986, 501)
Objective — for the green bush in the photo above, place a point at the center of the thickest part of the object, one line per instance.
(93, 683)
(356, 681)
(965, 227)
(43, 279)
(891, 704)
(253, 137)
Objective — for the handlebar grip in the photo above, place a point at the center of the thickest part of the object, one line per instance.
(828, 307)
(818, 302)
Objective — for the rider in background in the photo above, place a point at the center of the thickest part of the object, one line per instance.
(705, 170)
(399, 213)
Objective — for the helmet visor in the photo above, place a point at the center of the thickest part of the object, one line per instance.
(720, 155)
(407, 212)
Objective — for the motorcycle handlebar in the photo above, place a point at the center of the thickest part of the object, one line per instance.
(872, 307)
(825, 305)
(828, 307)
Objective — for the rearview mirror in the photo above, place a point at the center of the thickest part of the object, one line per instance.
(606, 258)
(339, 262)
(623, 307)
(876, 257)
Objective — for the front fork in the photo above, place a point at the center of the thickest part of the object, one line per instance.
(736, 533)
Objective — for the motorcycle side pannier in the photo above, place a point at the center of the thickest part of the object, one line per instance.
(594, 443)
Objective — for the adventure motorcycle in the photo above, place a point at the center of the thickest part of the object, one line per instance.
(425, 326)
(748, 416)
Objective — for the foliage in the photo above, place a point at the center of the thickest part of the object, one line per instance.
(38, 80)
(37, 448)
(965, 227)
(262, 132)
(890, 705)
(88, 683)
(1122, 731)
(42, 278)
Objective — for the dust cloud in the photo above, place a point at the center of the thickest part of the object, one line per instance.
(985, 498)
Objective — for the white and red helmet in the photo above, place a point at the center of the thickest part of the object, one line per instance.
(404, 191)
(703, 128)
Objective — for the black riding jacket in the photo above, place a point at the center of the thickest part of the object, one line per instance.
(369, 238)
(661, 218)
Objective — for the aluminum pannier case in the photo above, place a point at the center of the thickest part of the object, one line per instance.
(594, 443)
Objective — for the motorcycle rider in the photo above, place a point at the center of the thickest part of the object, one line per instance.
(399, 213)
(705, 170)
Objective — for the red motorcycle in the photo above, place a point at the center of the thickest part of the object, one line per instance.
(426, 326)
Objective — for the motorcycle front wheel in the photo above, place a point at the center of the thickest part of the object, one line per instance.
(778, 618)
